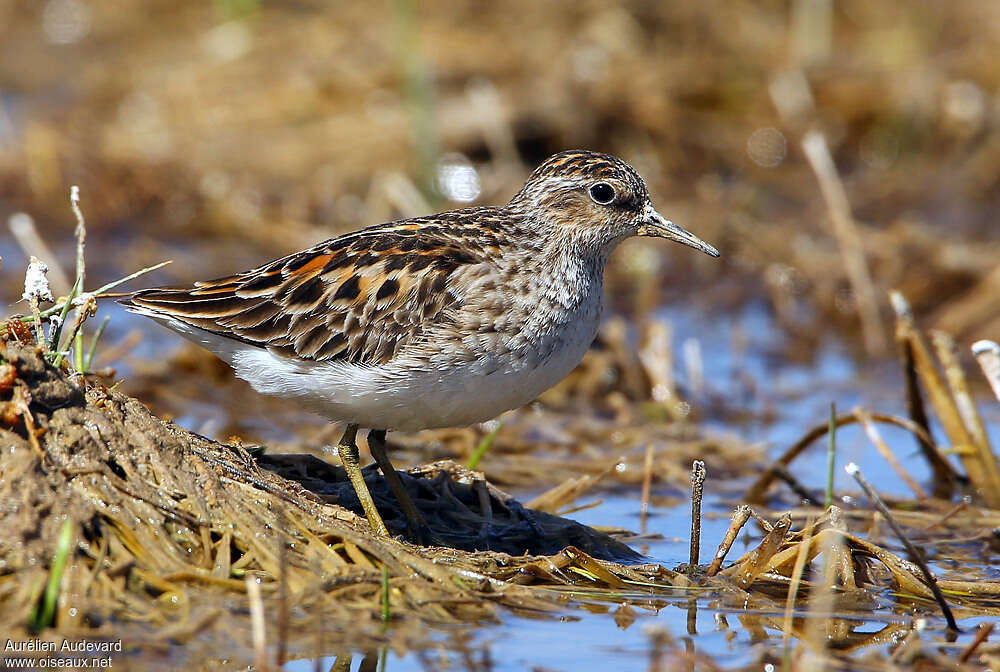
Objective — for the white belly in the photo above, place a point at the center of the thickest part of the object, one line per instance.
(410, 397)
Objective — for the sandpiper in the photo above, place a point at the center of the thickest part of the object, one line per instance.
(436, 321)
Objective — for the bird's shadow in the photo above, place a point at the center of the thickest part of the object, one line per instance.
(462, 510)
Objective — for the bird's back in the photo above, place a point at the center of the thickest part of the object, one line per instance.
(355, 299)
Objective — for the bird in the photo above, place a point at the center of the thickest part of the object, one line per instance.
(442, 320)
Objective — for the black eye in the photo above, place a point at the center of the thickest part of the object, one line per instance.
(602, 193)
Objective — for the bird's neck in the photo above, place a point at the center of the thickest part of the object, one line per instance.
(563, 272)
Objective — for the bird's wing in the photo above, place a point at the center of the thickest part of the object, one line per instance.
(356, 298)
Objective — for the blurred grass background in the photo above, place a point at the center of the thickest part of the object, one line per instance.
(222, 134)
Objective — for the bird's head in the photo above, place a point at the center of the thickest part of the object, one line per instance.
(597, 200)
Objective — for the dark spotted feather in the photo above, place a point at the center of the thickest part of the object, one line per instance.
(356, 298)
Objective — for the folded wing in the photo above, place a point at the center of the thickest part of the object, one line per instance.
(357, 298)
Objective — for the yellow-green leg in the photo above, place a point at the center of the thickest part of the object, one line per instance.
(415, 523)
(348, 451)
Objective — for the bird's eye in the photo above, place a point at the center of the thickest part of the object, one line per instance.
(602, 193)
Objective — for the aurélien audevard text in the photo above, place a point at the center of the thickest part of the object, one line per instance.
(65, 646)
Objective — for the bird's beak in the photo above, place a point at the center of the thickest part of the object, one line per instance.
(654, 224)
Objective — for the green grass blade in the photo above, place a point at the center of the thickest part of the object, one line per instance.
(132, 276)
(78, 351)
(386, 610)
(92, 350)
(57, 332)
(481, 449)
(63, 548)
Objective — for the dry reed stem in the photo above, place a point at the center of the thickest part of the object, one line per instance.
(657, 359)
(790, 92)
(801, 559)
(945, 479)
(740, 517)
(983, 633)
(968, 517)
(561, 496)
(929, 578)
(948, 515)
(849, 238)
(984, 477)
(257, 622)
(758, 560)
(947, 353)
(81, 234)
(972, 589)
(343, 663)
(694, 365)
(988, 355)
(283, 590)
(876, 438)
(698, 475)
(942, 402)
(840, 548)
(817, 633)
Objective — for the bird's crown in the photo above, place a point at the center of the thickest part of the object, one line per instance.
(579, 168)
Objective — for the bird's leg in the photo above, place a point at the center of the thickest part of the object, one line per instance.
(348, 451)
(415, 522)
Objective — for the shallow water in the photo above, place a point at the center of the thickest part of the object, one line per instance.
(593, 641)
